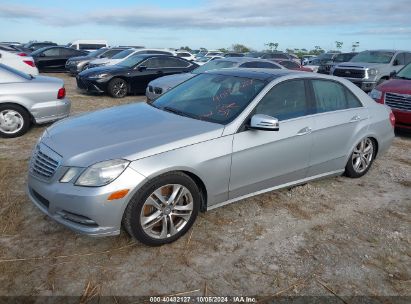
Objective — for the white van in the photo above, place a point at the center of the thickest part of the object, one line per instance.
(87, 45)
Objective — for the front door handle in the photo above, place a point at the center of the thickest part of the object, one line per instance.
(355, 118)
(304, 131)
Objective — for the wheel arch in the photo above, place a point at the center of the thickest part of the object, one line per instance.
(19, 104)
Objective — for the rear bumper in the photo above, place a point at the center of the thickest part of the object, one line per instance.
(50, 111)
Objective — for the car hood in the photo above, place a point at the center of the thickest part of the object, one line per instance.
(125, 132)
(171, 81)
(360, 65)
(401, 86)
(80, 58)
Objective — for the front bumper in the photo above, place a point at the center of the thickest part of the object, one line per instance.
(90, 85)
(402, 118)
(84, 210)
(49, 111)
(365, 85)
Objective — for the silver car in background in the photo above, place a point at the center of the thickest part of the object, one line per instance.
(217, 138)
(159, 86)
(27, 99)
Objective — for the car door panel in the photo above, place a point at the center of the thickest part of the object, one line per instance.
(264, 159)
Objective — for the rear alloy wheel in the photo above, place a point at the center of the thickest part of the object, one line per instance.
(361, 158)
(163, 210)
(14, 121)
(118, 88)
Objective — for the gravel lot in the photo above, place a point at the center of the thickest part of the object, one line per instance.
(338, 236)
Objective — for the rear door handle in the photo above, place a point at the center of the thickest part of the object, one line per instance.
(355, 118)
(304, 131)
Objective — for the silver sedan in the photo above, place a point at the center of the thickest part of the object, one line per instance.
(27, 99)
(217, 138)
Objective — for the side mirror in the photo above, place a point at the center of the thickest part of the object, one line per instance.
(396, 62)
(264, 123)
(392, 74)
(142, 68)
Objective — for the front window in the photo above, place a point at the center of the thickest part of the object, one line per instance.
(122, 54)
(373, 57)
(213, 65)
(405, 73)
(343, 57)
(211, 97)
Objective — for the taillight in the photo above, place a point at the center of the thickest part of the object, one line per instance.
(22, 54)
(392, 119)
(61, 93)
(30, 63)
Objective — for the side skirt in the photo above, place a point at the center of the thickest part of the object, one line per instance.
(294, 183)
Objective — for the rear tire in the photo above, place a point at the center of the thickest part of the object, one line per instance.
(361, 158)
(14, 120)
(118, 88)
(163, 210)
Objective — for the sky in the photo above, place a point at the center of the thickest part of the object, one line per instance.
(212, 24)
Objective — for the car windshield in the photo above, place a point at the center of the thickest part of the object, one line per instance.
(122, 54)
(16, 72)
(326, 56)
(373, 57)
(97, 52)
(405, 73)
(132, 61)
(213, 65)
(343, 57)
(211, 97)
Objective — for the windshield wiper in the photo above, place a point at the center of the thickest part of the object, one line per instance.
(179, 112)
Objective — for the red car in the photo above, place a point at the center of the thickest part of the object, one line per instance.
(292, 65)
(396, 93)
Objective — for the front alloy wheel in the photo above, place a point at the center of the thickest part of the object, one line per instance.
(163, 210)
(118, 88)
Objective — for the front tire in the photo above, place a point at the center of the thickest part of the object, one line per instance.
(163, 210)
(361, 158)
(14, 120)
(118, 88)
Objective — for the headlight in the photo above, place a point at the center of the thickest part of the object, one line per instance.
(102, 173)
(102, 75)
(375, 94)
(372, 72)
(70, 174)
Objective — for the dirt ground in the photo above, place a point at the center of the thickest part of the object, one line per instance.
(337, 237)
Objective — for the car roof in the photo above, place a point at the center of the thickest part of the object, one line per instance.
(260, 74)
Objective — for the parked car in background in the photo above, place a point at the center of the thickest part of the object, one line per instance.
(396, 93)
(368, 69)
(292, 65)
(314, 64)
(33, 46)
(275, 56)
(75, 65)
(212, 53)
(203, 60)
(254, 54)
(132, 75)
(306, 59)
(220, 137)
(24, 64)
(326, 66)
(186, 55)
(233, 54)
(54, 58)
(161, 85)
(124, 55)
(87, 45)
(13, 49)
(25, 99)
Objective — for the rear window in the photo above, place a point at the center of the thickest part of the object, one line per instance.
(15, 72)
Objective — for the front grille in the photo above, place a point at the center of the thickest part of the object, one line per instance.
(158, 90)
(44, 162)
(350, 73)
(81, 84)
(398, 101)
